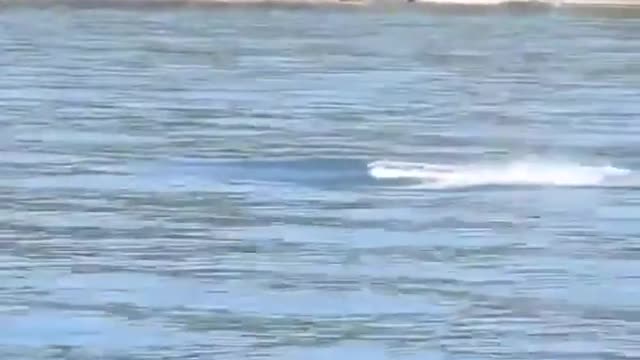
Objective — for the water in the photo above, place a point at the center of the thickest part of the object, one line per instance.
(211, 183)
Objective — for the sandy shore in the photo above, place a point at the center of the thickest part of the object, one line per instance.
(153, 3)
(339, 3)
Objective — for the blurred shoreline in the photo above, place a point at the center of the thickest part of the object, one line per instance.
(441, 4)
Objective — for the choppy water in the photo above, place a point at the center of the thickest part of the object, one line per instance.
(318, 184)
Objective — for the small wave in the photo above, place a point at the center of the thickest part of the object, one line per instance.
(523, 173)
(490, 2)
(593, 5)
(306, 172)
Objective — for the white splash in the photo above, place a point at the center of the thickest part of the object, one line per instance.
(551, 3)
(524, 172)
(482, 2)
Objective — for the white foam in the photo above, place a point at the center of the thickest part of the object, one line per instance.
(482, 2)
(555, 3)
(523, 172)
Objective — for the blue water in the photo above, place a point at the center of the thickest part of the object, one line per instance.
(219, 183)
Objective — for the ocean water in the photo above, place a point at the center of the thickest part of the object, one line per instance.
(220, 183)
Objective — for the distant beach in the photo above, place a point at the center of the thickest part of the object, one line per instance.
(339, 3)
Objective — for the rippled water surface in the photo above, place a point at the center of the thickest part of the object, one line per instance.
(318, 184)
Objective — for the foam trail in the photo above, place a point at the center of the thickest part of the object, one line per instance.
(488, 2)
(531, 173)
(547, 3)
